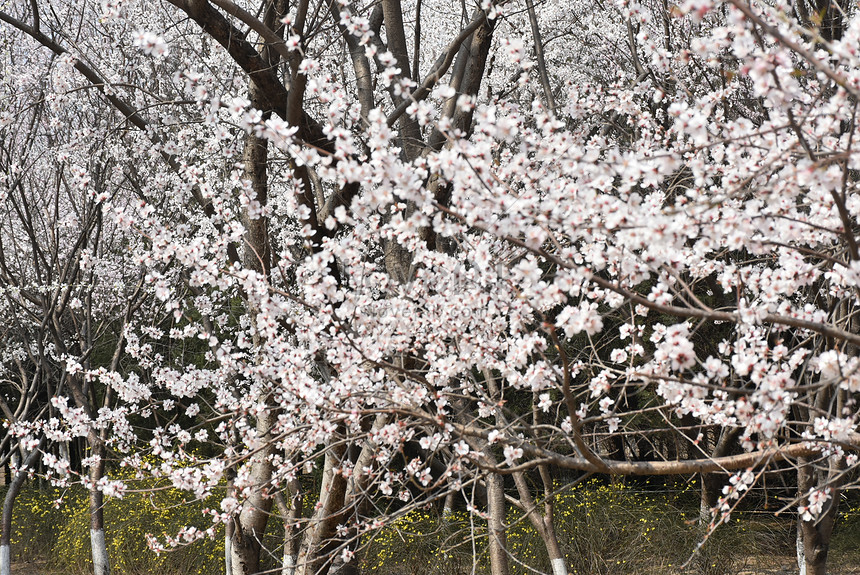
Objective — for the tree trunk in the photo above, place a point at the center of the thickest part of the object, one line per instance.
(543, 524)
(709, 496)
(711, 482)
(496, 525)
(228, 548)
(98, 545)
(291, 513)
(250, 525)
(410, 132)
(801, 552)
(8, 505)
(313, 559)
(813, 538)
(496, 507)
(63, 450)
(343, 499)
(448, 505)
(556, 557)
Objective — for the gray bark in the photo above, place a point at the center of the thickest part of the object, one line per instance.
(543, 524)
(711, 482)
(814, 536)
(101, 562)
(289, 567)
(313, 559)
(410, 132)
(541, 61)
(466, 79)
(228, 548)
(8, 505)
(448, 506)
(250, 525)
(496, 506)
(496, 525)
(290, 513)
(340, 497)
(801, 551)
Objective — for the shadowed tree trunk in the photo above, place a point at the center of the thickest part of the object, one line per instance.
(313, 559)
(291, 512)
(496, 525)
(250, 525)
(711, 483)
(8, 506)
(813, 537)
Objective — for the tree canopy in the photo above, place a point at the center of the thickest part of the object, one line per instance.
(429, 252)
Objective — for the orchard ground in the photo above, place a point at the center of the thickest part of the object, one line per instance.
(649, 528)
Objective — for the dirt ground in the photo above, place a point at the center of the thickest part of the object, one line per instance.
(783, 565)
(30, 568)
(761, 565)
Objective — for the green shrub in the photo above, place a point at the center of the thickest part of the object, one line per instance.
(62, 534)
(844, 548)
(612, 528)
(421, 542)
(602, 529)
(36, 523)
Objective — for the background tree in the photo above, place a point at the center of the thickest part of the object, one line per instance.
(410, 264)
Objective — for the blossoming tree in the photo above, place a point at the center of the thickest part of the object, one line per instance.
(420, 247)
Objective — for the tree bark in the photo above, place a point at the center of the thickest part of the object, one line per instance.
(8, 506)
(496, 525)
(291, 512)
(813, 538)
(228, 548)
(323, 524)
(496, 507)
(801, 550)
(355, 501)
(98, 545)
(466, 79)
(257, 246)
(250, 525)
(543, 524)
(448, 505)
(410, 131)
(539, 56)
(710, 482)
